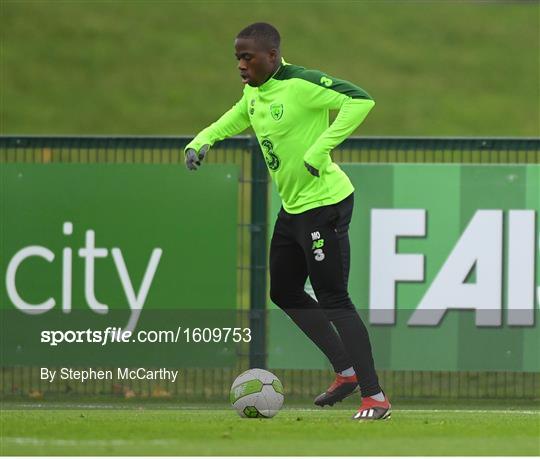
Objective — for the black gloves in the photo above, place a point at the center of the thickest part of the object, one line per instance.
(193, 160)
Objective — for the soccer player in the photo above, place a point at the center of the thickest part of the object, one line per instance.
(288, 108)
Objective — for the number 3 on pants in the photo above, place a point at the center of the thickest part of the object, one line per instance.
(318, 244)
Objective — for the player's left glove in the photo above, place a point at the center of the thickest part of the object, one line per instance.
(311, 169)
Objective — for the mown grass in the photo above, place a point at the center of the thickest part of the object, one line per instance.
(86, 431)
(143, 67)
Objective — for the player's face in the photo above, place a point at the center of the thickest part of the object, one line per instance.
(255, 64)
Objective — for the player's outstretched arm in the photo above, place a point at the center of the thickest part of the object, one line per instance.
(232, 122)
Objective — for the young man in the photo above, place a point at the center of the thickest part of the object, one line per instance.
(288, 107)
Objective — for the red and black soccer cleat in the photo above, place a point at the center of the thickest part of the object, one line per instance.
(342, 387)
(371, 410)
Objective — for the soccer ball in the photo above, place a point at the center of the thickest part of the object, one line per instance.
(257, 393)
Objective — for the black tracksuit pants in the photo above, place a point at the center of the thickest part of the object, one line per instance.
(315, 243)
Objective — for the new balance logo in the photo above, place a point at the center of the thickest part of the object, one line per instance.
(317, 246)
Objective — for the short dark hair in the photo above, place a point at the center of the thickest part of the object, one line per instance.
(263, 33)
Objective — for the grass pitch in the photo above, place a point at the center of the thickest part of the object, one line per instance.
(97, 429)
(434, 68)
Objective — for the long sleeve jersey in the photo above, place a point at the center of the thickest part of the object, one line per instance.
(290, 116)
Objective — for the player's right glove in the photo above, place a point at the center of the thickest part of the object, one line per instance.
(193, 159)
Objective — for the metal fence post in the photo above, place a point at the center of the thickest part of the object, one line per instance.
(259, 225)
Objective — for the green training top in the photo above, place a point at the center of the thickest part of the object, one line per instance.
(289, 114)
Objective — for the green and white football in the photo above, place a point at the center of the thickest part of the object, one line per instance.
(257, 393)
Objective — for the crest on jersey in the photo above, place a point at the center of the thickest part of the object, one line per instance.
(276, 110)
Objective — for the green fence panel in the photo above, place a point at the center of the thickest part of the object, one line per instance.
(251, 284)
(453, 307)
(132, 246)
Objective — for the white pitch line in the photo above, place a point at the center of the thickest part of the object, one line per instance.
(56, 406)
(139, 407)
(65, 406)
(70, 442)
(473, 411)
(537, 412)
